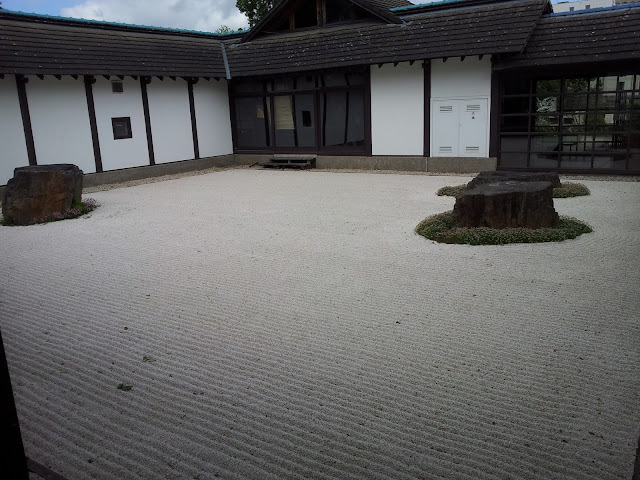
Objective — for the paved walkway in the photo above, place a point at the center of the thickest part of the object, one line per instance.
(292, 325)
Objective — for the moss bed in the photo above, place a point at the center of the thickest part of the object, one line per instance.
(439, 228)
(566, 190)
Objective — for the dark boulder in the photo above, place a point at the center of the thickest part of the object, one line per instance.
(38, 191)
(504, 176)
(506, 205)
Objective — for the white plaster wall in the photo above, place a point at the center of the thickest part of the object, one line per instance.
(60, 122)
(125, 152)
(213, 118)
(459, 79)
(13, 152)
(397, 109)
(170, 120)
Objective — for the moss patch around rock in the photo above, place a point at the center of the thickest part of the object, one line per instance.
(439, 228)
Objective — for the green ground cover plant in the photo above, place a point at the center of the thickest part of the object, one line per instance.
(77, 210)
(440, 229)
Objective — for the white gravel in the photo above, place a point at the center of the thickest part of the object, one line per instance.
(294, 326)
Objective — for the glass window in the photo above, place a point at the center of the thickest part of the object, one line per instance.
(514, 143)
(547, 104)
(572, 123)
(547, 86)
(575, 102)
(121, 128)
(545, 143)
(515, 105)
(546, 123)
(306, 16)
(342, 116)
(283, 119)
(252, 122)
(516, 86)
(338, 11)
(512, 159)
(577, 85)
(515, 123)
(543, 160)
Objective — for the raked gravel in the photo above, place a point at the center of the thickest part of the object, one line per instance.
(281, 325)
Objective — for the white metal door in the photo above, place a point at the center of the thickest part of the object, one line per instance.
(459, 127)
(446, 128)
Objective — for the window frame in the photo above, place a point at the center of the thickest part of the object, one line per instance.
(622, 132)
(114, 126)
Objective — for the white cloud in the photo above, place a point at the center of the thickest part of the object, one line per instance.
(203, 15)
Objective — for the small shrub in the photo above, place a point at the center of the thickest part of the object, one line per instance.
(77, 210)
(451, 191)
(570, 189)
(440, 229)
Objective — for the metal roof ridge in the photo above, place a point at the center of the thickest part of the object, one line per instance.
(90, 22)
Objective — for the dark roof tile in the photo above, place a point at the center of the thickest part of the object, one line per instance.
(484, 29)
(33, 47)
(605, 34)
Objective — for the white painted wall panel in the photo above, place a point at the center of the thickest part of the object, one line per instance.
(397, 109)
(14, 148)
(457, 79)
(170, 120)
(60, 122)
(125, 152)
(213, 118)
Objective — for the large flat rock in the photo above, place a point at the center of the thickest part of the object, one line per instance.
(507, 176)
(38, 191)
(508, 204)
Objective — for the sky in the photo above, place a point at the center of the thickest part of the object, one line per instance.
(202, 15)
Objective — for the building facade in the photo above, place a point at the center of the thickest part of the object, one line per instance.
(465, 85)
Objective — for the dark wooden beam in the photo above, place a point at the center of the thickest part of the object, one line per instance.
(88, 89)
(144, 81)
(462, 57)
(444, 59)
(75, 77)
(172, 78)
(480, 57)
(494, 120)
(40, 76)
(108, 77)
(194, 123)
(160, 77)
(59, 77)
(21, 82)
(427, 109)
(395, 64)
(121, 77)
(411, 62)
(135, 77)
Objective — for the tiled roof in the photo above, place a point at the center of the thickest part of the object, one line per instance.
(593, 36)
(37, 46)
(477, 30)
